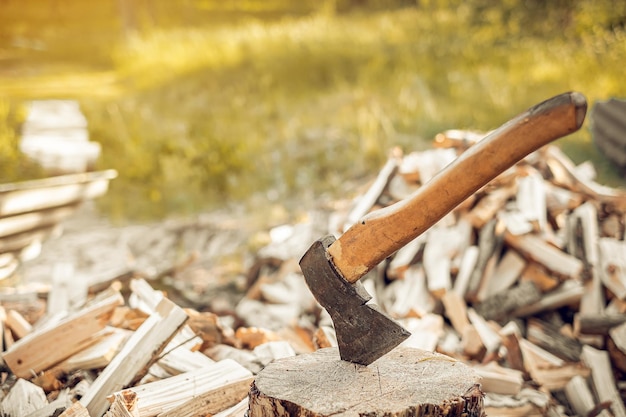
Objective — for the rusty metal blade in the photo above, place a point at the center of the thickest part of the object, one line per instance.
(364, 332)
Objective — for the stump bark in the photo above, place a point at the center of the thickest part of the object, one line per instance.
(405, 382)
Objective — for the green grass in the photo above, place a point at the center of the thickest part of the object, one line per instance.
(295, 107)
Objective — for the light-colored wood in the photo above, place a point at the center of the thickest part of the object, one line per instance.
(23, 398)
(565, 174)
(394, 226)
(158, 397)
(491, 339)
(570, 292)
(441, 247)
(580, 396)
(368, 200)
(613, 265)
(76, 410)
(538, 275)
(456, 310)
(213, 401)
(18, 324)
(499, 380)
(600, 364)
(405, 380)
(141, 350)
(71, 335)
(489, 241)
(506, 272)
(238, 410)
(489, 205)
(122, 405)
(555, 260)
(531, 198)
(97, 355)
(468, 263)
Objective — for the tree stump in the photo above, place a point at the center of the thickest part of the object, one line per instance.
(405, 382)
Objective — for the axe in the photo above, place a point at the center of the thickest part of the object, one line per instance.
(332, 267)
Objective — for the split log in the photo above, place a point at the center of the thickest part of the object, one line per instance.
(71, 335)
(23, 399)
(500, 305)
(599, 324)
(555, 260)
(603, 381)
(141, 350)
(368, 200)
(405, 381)
(548, 336)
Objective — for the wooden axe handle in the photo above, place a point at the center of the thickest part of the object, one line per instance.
(382, 232)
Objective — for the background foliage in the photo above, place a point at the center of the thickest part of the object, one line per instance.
(202, 103)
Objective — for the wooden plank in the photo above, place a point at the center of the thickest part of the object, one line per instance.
(71, 335)
(138, 353)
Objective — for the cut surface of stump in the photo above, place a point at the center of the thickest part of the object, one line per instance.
(405, 382)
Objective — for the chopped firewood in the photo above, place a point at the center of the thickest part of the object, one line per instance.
(500, 305)
(18, 324)
(612, 265)
(425, 331)
(122, 405)
(244, 357)
(164, 396)
(238, 410)
(128, 318)
(553, 259)
(507, 271)
(542, 279)
(583, 233)
(489, 244)
(597, 323)
(530, 198)
(602, 376)
(213, 401)
(456, 310)
(270, 351)
(499, 380)
(410, 295)
(549, 337)
(568, 293)
(528, 402)
(71, 335)
(368, 200)
(564, 173)
(403, 258)
(617, 346)
(325, 337)
(320, 384)
(466, 268)
(76, 410)
(490, 338)
(579, 395)
(23, 398)
(251, 337)
(438, 252)
(97, 355)
(489, 205)
(139, 351)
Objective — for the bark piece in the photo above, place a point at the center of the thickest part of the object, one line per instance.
(405, 381)
(548, 337)
(499, 306)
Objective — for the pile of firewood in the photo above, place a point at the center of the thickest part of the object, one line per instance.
(525, 282)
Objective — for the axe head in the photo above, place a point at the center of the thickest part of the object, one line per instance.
(364, 332)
